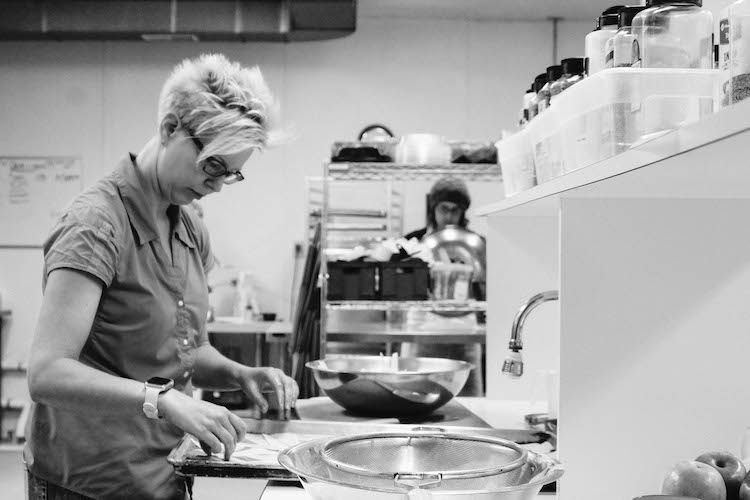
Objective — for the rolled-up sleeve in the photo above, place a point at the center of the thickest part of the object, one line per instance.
(84, 243)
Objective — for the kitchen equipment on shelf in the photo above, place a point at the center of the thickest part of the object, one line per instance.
(407, 386)
(673, 34)
(363, 151)
(419, 464)
(451, 280)
(423, 149)
(606, 26)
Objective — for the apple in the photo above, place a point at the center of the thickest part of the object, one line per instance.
(745, 488)
(730, 467)
(691, 478)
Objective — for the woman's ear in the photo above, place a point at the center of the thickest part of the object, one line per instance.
(169, 125)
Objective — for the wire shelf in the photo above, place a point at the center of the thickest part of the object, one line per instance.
(398, 171)
(403, 305)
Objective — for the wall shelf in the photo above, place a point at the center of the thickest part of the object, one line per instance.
(405, 305)
(678, 159)
(651, 255)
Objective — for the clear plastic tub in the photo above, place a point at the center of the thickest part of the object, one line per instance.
(451, 280)
(516, 162)
(607, 113)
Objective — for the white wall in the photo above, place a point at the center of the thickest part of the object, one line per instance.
(462, 79)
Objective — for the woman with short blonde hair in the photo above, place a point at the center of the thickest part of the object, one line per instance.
(121, 337)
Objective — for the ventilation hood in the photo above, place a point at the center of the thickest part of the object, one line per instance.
(176, 20)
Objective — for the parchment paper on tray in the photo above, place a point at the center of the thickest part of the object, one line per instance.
(254, 457)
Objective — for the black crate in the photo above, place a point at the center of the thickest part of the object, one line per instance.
(356, 280)
(405, 280)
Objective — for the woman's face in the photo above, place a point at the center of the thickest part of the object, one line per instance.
(183, 178)
(447, 213)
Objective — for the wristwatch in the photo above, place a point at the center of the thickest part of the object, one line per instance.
(155, 386)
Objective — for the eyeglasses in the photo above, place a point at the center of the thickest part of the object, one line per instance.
(215, 167)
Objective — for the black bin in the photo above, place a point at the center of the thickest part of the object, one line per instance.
(404, 280)
(354, 280)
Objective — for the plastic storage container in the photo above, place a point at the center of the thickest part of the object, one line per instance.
(355, 280)
(451, 280)
(619, 49)
(606, 26)
(739, 51)
(607, 113)
(404, 280)
(671, 34)
(516, 162)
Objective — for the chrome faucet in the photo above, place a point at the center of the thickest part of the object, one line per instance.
(513, 364)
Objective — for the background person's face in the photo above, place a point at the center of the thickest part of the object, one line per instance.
(446, 213)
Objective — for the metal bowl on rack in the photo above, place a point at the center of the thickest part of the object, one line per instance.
(419, 464)
(390, 387)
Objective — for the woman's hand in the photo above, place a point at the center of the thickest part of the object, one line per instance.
(257, 381)
(212, 424)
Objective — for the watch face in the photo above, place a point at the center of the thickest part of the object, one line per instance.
(159, 381)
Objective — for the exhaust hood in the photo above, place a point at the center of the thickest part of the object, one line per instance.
(177, 20)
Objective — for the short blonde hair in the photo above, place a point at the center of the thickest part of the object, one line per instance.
(216, 98)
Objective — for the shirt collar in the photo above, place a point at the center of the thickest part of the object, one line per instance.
(133, 189)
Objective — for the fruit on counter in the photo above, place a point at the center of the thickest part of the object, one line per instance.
(730, 467)
(745, 488)
(691, 478)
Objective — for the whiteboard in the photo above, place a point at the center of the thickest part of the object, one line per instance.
(33, 193)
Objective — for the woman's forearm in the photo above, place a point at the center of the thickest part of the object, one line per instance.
(214, 371)
(70, 385)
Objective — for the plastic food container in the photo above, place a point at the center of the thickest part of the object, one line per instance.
(451, 281)
(608, 112)
(516, 162)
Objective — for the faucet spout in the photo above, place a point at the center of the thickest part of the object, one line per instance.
(514, 364)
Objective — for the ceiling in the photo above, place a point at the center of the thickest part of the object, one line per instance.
(490, 10)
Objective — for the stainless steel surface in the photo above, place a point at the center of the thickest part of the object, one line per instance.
(404, 171)
(322, 481)
(356, 383)
(438, 306)
(513, 365)
(454, 244)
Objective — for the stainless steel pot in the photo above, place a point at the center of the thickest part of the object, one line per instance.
(370, 385)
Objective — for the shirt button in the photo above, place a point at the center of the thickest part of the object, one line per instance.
(180, 303)
(185, 341)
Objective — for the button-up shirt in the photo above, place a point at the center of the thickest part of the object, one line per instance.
(149, 322)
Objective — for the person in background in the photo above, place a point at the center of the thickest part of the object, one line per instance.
(121, 337)
(447, 203)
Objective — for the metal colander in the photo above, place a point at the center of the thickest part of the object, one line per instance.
(452, 456)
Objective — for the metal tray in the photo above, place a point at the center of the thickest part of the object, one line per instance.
(189, 460)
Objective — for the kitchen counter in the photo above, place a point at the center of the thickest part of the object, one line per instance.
(499, 414)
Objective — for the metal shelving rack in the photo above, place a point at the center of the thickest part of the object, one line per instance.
(389, 173)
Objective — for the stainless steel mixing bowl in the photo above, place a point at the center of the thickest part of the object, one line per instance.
(390, 387)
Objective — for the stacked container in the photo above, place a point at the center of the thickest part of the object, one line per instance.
(619, 49)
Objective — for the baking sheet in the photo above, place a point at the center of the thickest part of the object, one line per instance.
(256, 454)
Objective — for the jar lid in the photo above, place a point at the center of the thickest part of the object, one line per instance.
(572, 66)
(626, 15)
(539, 82)
(606, 20)
(554, 72)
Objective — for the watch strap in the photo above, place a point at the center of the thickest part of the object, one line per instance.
(150, 406)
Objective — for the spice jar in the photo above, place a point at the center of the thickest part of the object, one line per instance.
(553, 73)
(606, 26)
(572, 69)
(673, 34)
(619, 48)
(539, 82)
